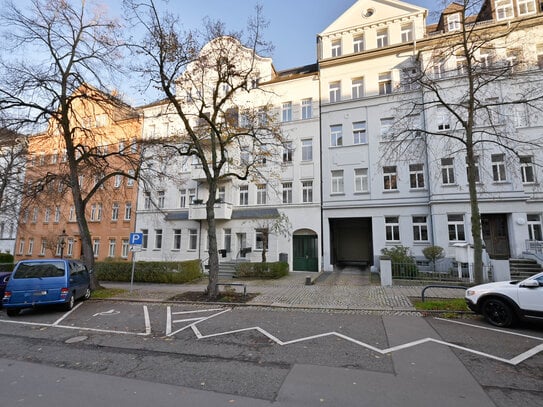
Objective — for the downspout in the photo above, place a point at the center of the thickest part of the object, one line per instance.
(319, 45)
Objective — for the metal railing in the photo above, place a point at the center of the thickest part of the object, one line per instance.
(446, 272)
(534, 246)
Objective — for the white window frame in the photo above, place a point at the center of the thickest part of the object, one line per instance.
(420, 228)
(456, 228)
(416, 176)
(534, 226)
(503, 9)
(477, 174)
(360, 136)
(43, 247)
(161, 199)
(361, 184)
(118, 181)
(127, 211)
(385, 126)
(125, 248)
(335, 92)
(158, 239)
(112, 247)
(287, 192)
(392, 228)
(307, 191)
(335, 47)
(259, 239)
(307, 109)
(57, 214)
(443, 119)
(243, 195)
(526, 7)
(288, 152)
(358, 43)
(357, 88)
(176, 241)
(527, 169)
(390, 178)
(447, 171)
(337, 183)
(336, 135)
(307, 150)
(382, 38)
(261, 194)
(385, 83)
(193, 240)
(96, 247)
(406, 32)
(115, 211)
(286, 115)
(453, 22)
(499, 173)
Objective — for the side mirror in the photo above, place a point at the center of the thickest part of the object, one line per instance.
(530, 283)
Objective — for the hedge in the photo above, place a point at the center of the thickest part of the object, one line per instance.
(262, 270)
(6, 258)
(149, 272)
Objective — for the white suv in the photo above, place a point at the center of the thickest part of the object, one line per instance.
(504, 302)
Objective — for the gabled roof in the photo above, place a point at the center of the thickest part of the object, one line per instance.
(366, 12)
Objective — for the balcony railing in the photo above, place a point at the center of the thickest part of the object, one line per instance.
(223, 210)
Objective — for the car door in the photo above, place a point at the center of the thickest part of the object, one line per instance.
(531, 298)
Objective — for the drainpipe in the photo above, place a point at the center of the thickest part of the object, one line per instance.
(319, 45)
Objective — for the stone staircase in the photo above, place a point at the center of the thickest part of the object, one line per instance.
(523, 268)
(227, 269)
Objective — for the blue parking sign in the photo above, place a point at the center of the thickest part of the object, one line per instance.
(136, 238)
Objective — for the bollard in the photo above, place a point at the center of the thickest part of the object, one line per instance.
(308, 281)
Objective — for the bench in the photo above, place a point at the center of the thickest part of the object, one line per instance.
(236, 284)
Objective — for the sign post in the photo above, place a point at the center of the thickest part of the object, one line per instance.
(136, 240)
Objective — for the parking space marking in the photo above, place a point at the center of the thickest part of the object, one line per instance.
(56, 324)
(487, 328)
(195, 321)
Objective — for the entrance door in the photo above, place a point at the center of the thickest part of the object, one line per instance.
(496, 236)
(242, 244)
(305, 253)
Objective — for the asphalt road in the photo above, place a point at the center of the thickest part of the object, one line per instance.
(260, 356)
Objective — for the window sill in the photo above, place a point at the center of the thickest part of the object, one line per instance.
(390, 191)
(337, 194)
(361, 192)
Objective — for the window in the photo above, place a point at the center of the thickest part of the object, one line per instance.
(71, 216)
(447, 171)
(70, 247)
(145, 238)
(30, 246)
(475, 168)
(22, 246)
(182, 198)
(287, 192)
(335, 92)
(382, 38)
(192, 195)
(534, 227)
(307, 191)
(456, 228)
(228, 240)
(125, 248)
(307, 109)
(358, 43)
(336, 135)
(526, 7)
(453, 22)
(407, 32)
(420, 229)
(193, 239)
(390, 178)
(527, 169)
(160, 200)
(111, 251)
(287, 112)
(461, 64)
(47, 216)
(359, 133)
(57, 214)
(221, 194)
(96, 247)
(504, 9)
(43, 247)
(130, 180)
(261, 194)
(416, 176)
(385, 83)
(357, 88)
(118, 181)
(337, 182)
(35, 213)
(158, 238)
(392, 228)
(287, 152)
(443, 119)
(307, 150)
(146, 200)
(244, 195)
(361, 180)
(176, 239)
(128, 211)
(261, 236)
(386, 125)
(96, 212)
(115, 211)
(438, 68)
(336, 48)
(498, 167)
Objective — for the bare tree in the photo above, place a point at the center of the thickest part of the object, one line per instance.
(210, 82)
(274, 226)
(474, 81)
(73, 44)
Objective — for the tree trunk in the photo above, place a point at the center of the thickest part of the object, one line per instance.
(212, 286)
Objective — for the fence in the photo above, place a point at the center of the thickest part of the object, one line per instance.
(534, 246)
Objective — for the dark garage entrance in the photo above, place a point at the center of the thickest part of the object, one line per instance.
(351, 242)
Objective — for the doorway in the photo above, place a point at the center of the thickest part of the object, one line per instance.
(496, 236)
(305, 252)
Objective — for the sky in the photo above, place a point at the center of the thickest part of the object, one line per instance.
(293, 24)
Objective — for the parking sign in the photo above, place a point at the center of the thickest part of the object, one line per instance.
(136, 238)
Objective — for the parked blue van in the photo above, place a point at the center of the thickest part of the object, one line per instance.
(35, 283)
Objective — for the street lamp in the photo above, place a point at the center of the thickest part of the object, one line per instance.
(62, 242)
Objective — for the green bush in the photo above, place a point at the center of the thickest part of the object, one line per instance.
(6, 258)
(149, 272)
(262, 270)
(403, 265)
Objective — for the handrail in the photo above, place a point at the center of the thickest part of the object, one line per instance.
(440, 286)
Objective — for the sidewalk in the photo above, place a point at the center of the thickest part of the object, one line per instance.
(347, 291)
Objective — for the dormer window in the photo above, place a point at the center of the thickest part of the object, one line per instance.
(526, 7)
(453, 22)
(504, 9)
(336, 48)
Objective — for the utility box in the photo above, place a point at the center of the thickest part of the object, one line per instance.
(283, 257)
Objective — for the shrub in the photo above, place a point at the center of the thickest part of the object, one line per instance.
(433, 253)
(6, 258)
(262, 270)
(149, 272)
(403, 265)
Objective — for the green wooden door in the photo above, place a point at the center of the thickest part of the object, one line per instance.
(305, 253)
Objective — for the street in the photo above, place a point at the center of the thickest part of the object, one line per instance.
(255, 356)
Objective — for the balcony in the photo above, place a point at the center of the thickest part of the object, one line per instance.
(223, 210)
(197, 173)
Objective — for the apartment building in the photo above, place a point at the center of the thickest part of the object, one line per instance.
(105, 132)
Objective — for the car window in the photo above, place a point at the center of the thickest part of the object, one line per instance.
(540, 279)
(39, 270)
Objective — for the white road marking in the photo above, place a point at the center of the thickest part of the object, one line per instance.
(487, 328)
(58, 321)
(110, 312)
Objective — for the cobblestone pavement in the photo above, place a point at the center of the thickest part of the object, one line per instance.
(349, 290)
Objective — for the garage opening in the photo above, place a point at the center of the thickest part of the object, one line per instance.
(351, 242)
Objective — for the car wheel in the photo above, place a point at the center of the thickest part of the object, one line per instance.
(87, 293)
(13, 312)
(498, 312)
(70, 304)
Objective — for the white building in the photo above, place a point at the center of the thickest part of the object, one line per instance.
(348, 187)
